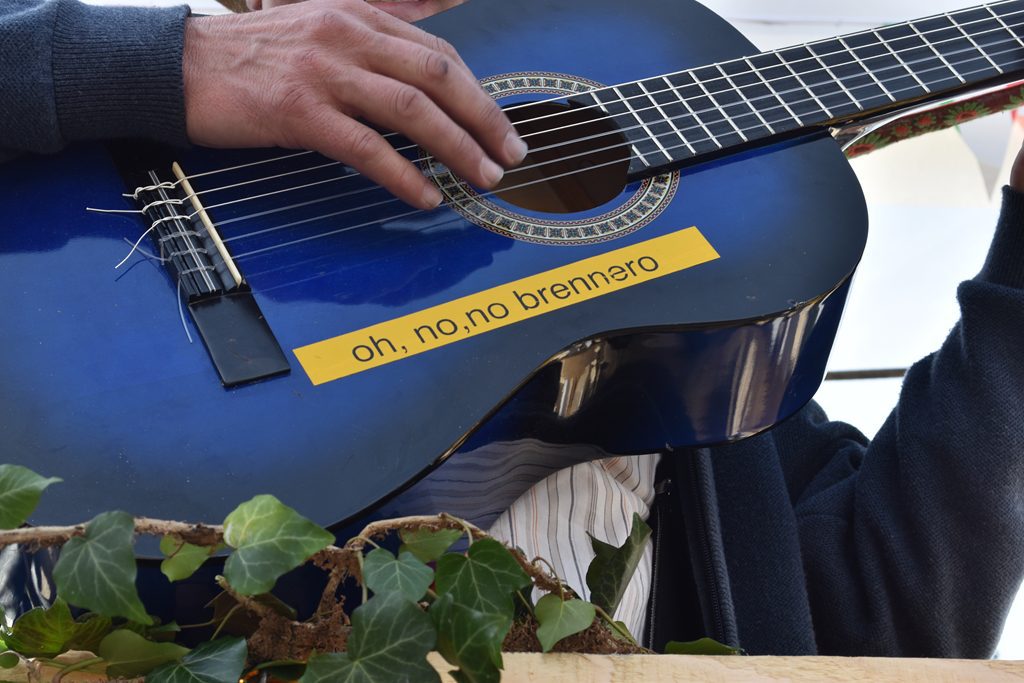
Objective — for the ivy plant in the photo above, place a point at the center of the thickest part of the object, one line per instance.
(426, 597)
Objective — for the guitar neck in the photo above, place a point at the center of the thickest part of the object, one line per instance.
(699, 113)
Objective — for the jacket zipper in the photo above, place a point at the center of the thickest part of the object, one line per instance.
(662, 488)
(714, 591)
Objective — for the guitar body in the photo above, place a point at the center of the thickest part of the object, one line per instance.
(102, 387)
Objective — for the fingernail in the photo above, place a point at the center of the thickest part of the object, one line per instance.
(515, 148)
(491, 172)
(432, 197)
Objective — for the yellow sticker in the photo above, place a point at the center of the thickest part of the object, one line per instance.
(503, 305)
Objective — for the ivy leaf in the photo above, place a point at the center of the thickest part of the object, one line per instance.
(704, 646)
(610, 571)
(89, 632)
(470, 639)
(42, 631)
(20, 489)
(483, 579)
(49, 632)
(560, 618)
(182, 559)
(621, 632)
(128, 654)
(426, 544)
(382, 573)
(97, 571)
(390, 639)
(270, 539)
(218, 661)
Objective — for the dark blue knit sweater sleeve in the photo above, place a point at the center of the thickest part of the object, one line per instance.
(914, 544)
(79, 72)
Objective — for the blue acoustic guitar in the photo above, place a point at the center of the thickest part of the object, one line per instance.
(667, 269)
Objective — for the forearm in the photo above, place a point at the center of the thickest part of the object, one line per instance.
(81, 72)
(916, 545)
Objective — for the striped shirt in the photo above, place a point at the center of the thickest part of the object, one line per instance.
(552, 520)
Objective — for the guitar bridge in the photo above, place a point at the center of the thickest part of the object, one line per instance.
(241, 344)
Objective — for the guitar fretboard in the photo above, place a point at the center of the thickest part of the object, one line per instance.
(673, 118)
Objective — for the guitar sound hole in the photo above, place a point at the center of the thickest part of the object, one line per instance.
(581, 163)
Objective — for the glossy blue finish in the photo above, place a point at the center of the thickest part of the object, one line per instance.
(102, 388)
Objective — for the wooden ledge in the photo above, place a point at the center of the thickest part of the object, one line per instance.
(559, 668)
(565, 668)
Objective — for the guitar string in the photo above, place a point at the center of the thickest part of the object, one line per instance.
(900, 65)
(380, 203)
(255, 252)
(808, 44)
(510, 173)
(711, 138)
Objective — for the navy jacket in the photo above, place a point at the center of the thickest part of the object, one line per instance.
(807, 539)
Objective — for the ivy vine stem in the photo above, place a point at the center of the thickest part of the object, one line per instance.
(362, 579)
(614, 625)
(225, 620)
(77, 666)
(526, 603)
(368, 540)
(47, 536)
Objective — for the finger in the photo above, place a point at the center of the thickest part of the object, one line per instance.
(385, 22)
(404, 108)
(414, 10)
(457, 92)
(362, 148)
(1017, 172)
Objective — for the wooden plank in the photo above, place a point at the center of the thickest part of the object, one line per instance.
(566, 668)
(559, 668)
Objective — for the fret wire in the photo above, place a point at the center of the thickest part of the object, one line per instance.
(937, 53)
(804, 84)
(772, 90)
(746, 100)
(838, 80)
(970, 39)
(900, 60)
(1003, 24)
(696, 118)
(668, 118)
(700, 84)
(643, 124)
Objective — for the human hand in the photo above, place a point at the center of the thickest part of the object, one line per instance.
(406, 10)
(300, 76)
(1017, 172)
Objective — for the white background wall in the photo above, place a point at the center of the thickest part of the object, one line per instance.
(931, 220)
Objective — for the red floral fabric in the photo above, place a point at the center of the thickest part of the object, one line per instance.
(937, 119)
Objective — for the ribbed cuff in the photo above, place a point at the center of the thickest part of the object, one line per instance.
(1005, 262)
(117, 72)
